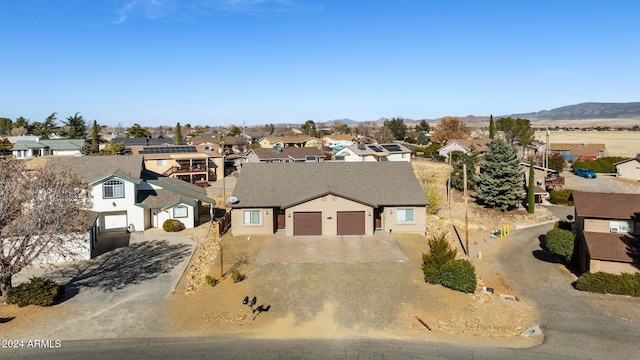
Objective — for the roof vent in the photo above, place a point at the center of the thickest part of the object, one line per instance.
(361, 146)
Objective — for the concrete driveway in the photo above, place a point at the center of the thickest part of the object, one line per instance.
(147, 269)
(602, 183)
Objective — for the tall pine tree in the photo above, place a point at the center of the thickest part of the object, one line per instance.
(500, 186)
(95, 145)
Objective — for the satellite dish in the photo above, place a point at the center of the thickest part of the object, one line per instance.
(233, 200)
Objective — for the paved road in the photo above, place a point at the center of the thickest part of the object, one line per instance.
(240, 349)
(602, 183)
(576, 323)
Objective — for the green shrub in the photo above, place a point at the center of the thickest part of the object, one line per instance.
(605, 283)
(237, 276)
(602, 165)
(441, 267)
(560, 242)
(459, 275)
(38, 291)
(561, 197)
(172, 225)
(211, 281)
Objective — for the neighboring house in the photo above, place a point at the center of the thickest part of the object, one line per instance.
(28, 149)
(290, 141)
(584, 151)
(533, 149)
(337, 142)
(288, 154)
(545, 179)
(607, 232)
(328, 199)
(183, 162)
(628, 169)
(374, 152)
(480, 146)
(127, 197)
(130, 143)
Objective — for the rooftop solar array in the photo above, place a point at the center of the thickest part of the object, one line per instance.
(392, 148)
(375, 148)
(167, 150)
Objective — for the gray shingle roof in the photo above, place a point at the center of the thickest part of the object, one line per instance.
(91, 168)
(287, 153)
(287, 184)
(183, 188)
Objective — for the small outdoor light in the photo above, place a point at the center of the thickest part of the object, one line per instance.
(114, 204)
(391, 211)
(266, 211)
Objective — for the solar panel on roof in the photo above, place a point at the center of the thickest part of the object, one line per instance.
(168, 150)
(375, 148)
(392, 148)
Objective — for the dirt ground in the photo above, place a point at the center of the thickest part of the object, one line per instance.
(197, 309)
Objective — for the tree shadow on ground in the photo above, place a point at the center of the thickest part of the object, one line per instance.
(6, 319)
(543, 254)
(123, 267)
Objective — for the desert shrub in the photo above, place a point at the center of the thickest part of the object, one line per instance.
(458, 275)
(441, 267)
(237, 276)
(605, 283)
(561, 197)
(211, 281)
(172, 225)
(560, 242)
(38, 291)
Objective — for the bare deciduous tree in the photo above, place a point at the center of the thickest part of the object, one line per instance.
(40, 215)
(450, 127)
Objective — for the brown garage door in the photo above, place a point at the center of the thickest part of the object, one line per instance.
(351, 223)
(307, 223)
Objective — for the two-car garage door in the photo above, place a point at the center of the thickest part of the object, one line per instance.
(310, 223)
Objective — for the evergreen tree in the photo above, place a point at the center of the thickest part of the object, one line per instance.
(458, 159)
(531, 192)
(397, 127)
(500, 185)
(95, 145)
(77, 127)
(492, 128)
(177, 138)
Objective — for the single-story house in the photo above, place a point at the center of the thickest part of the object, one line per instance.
(607, 232)
(338, 141)
(628, 169)
(290, 141)
(465, 146)
(27, 149)
(584, 151)
(328, 199)
(373, 152)
(288, 154)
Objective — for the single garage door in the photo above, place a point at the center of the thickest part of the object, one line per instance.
(115, 222)
(351, 223)
(307, 223)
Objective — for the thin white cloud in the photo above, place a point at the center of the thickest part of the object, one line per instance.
(184, 10)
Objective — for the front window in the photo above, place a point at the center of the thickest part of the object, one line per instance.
(113, 188)
(180, 211)
(404, 215)
(251, 217)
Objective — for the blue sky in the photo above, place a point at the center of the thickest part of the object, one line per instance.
(220, 62)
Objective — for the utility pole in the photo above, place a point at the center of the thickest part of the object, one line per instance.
(466, 211)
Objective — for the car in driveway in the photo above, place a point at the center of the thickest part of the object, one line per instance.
(585, 173)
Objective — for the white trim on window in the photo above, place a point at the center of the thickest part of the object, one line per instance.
(180, 211)
(404, 216)
(113, 189)
(252, 217)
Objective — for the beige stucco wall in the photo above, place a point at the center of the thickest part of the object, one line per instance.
(390, 223)
(152, 165)
(596, 225)
(239, 228)
(329, 205)
(612, 267)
